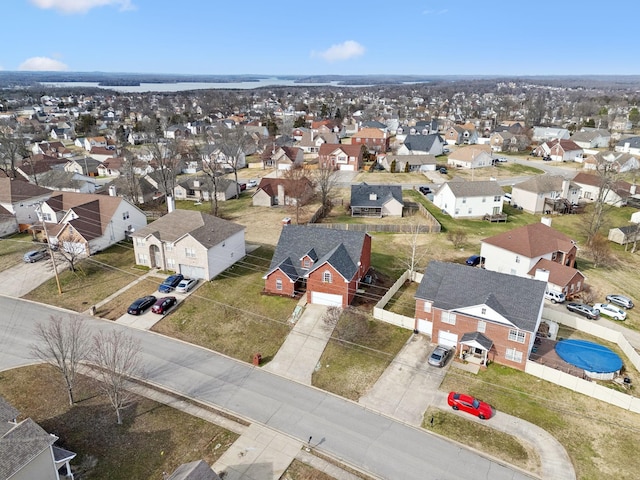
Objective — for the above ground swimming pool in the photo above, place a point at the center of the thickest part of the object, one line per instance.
(596, 360)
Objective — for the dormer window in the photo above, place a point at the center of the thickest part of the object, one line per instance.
(327, 277)
(306, 263)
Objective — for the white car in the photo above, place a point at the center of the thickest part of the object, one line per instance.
(252, 183)
(610, 311)
(186, 284)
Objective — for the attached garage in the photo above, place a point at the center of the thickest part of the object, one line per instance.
(329, 299)
(191, 271)
(348, 168)
(425, 326)
(447, 339)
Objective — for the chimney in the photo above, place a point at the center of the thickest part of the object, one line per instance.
(542, 274)
(546, 221)
(171, 205)
(196, 183)
(280, 194)
(112, 190)
(373, 197)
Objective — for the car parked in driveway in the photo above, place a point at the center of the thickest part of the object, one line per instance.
(610, 311)
(425, 190)
(583, 309)
(141, 304)
(163, 304)
(439, 356)
(469, 404)
(620, 300)
(34, 256)
(186, 284)
(170, 283)
(474, 261)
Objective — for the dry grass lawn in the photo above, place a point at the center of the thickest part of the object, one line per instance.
(12, 249)
(117, 307)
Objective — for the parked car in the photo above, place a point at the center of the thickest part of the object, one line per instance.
(141, 304)
(425, 190)
(610, 311)
(439, 356)
(186, 284)
(474, 261)
(34, 256)
(620, 300)
(469, 404)
(442, 170)
(163, 304)
(252, 183)
(546, 158)
(170, 283)
(583, 309)
(555, 297)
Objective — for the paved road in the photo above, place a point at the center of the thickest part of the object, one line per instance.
(377, 444)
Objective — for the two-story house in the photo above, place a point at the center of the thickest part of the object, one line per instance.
(471, 156)
(464, 199)
(374, 139)
(546, 194)
(340, 157)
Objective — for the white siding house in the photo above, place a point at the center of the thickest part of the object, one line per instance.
(462, 199)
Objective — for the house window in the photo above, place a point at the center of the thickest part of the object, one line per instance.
(168, 247)
(457, 211)
(306, 263)
(517, 259)
(464, 200)
(140, 242)
(482, 326)
(125, 215)
(142, 259)
(517, 336)
(448, 317)
(326, 277)
(427, 307)
(189, 253)
(470, 211)
(497, 198)
(278, 284)
(171, 264)
(46, 217)
(513, 355)
(483, 311)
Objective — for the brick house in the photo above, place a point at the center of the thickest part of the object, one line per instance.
(484, 315)
(376, 140)
(328, 264)
(340, 157)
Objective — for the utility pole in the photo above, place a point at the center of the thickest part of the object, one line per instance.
(53, 258)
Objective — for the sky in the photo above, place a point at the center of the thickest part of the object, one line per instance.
(277, 37)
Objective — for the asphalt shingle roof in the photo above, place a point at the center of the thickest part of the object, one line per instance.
(361, 194)
(421, 143)
(452, 286)
(20, 445)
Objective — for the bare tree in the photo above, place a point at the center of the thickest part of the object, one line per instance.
(71, 247)
(414, 252)
(325, 179)
(233, 144)
(64, 344)
(12, 149)
(299, 190)
(600, 251)
(212, 170)
(166, 156)
(117, 356)
(457, 237)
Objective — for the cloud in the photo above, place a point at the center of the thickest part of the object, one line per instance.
(341, 51)
(81, 6)
(44, 64)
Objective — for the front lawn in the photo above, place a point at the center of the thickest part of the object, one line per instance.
(118, 306)
(230, 315)
(13, 247)
(153, 439)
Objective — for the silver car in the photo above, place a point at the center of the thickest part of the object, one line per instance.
(439, 356)
(620, 300)
(34, 255)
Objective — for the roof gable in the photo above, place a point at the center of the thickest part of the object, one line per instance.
(532, 241)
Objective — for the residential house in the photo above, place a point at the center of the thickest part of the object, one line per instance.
(518, 250)
(376, 200)
(67, 181)
(629, 145)
(111, 167)
(177, 131)
(8, 222)
(592, 138)
(88, 223)
(546, 194)
(613, 193)
(505, 141)
(460, 135)
(84, 166)
(340, 157)
(546, 134)
(282, 191)
(51, 149)
(34, 166)
(284, 158)
(613, 161)
(192, 243)
(560, 150)
(410, 163)
(27, 451)
(198, 470)
(213, 154)
(137, 191)
(22, 200)
(328, 264)
(200, 189)
(463, 199)
(432, 144)
(485, 316)
(625, 235)
(91, 142)
(375, 140)
(312, 141)
(103, 153)
(560, 278)
(471, 156)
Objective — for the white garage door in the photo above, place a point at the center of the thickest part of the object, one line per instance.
(329, 299)
(190, 271)
(425, 326)
(447, 339)
(347, 168)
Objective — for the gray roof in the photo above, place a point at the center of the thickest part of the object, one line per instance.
(198, 470)
(634, 142)
(20, 445)
(475, 189)
(421, 143)
(7, 411)
(478, 337)
(362, 195)
(208, 230)
(420, 159)
(544, 184)
(451, 286)
(341, 248)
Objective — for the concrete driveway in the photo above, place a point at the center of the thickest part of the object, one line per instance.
(20, 279)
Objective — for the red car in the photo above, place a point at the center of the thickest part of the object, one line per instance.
(163, 304)
(467, 403)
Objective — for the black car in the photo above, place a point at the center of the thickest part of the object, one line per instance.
(170, 283)
(425, 190)
(442, 170)
(141, 304)
(583, 309)
(474, 260)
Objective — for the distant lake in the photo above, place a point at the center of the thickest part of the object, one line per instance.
(181, 86)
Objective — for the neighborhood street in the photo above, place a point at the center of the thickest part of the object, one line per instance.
(343, 429)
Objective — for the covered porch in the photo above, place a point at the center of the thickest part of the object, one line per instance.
(475, 348)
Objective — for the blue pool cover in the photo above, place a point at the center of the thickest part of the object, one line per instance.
(589, 356)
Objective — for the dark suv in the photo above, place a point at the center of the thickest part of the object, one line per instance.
(170, 283)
